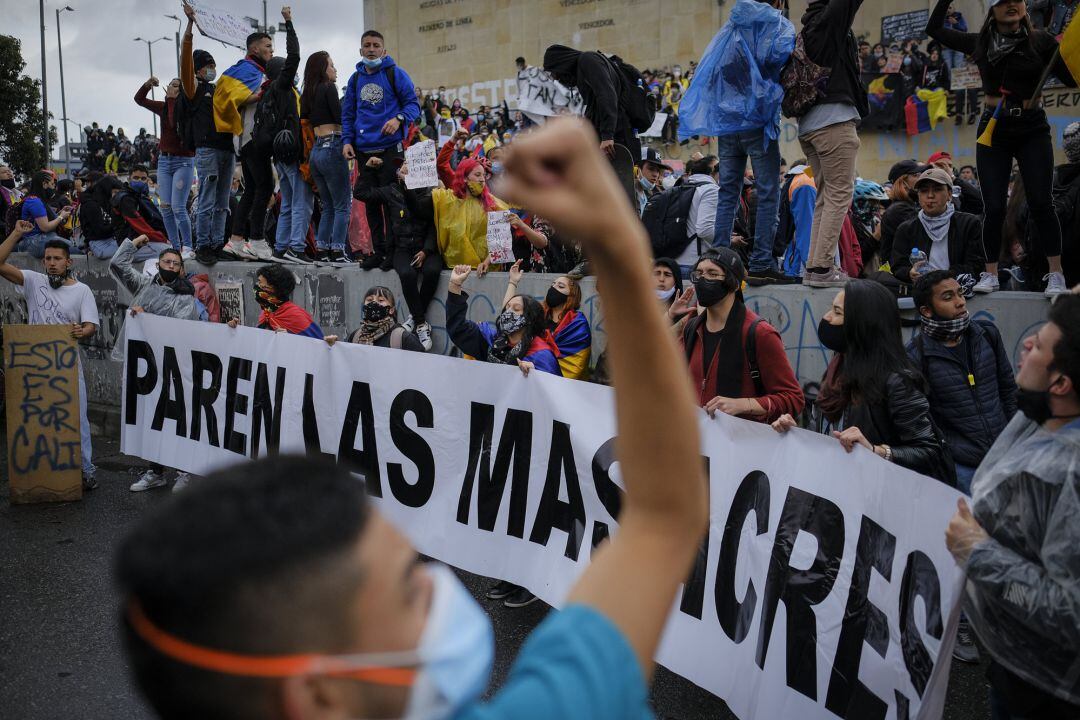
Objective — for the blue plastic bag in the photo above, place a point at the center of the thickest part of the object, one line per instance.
(737, 83)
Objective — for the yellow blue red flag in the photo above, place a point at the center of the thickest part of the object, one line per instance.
(236, 85)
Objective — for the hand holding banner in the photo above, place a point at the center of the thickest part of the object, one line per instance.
(220, 24)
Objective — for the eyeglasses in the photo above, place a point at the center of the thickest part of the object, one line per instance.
(710, 275)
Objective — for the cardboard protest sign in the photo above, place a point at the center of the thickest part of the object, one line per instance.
(500, 238)
(420, 159)
(220, 25)
(41, 363)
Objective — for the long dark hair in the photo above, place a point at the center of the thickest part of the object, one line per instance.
(983, 41)
(875, 349)
(37, 182)
(314, 75)
(535, 323)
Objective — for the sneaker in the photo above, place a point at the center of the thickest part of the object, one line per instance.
(182, 480)
(987, 283)
(281, 256)
(371, 262)
(1055, 284)
(409, 325)
(769, 276)
(147, 481)
(234, 250)
(290, 256)
(501, 590)
(262, 250)
(248, 252)
(339, 258)
(207, 255)
(387, 265)
(186, 253)
(965, 650)
(89, 482)
(834, 277)
(519, 598)
(423, 334)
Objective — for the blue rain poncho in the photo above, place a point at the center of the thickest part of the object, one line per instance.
(737, 83)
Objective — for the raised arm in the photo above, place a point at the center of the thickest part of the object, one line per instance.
(120, 264)
(464, 333)
(292, 51)
(7, 271)
(446, 152)
(953, 39)
(155, 106)
(187, 61)
(560, 174)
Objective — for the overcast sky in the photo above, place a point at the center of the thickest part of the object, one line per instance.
(103, 66)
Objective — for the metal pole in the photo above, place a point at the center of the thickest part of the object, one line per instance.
(44, 90)
(63, 97)
(150, 52)
(264, 27)
(177, 53)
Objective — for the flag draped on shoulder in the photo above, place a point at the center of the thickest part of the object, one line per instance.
(235, 86)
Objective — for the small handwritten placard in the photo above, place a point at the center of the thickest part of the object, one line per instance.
(500, 237)
(420, 158)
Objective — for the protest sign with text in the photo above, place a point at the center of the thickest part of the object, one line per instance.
(540, 96)
(500, 237)
(420, 159)
(822, 590)
(220, 25)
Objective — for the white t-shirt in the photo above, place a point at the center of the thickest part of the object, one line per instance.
(65, 305)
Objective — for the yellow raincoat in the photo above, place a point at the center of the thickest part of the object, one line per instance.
(461, 227)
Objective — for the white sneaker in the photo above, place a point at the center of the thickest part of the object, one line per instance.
(987, 283)
(262, 250)
(182, 480)
(247, 252)
(423, 334)
(1055, 284)
(235, 248)
(409, 325)
(187, 253)
(147, 481)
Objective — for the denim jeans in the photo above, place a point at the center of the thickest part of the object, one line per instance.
(330, 171)
(84, 429)
(35, 244)
(215, 169)
(765, 159)
(964, 476)
(105, 249)
(297, 202)
(175, 174)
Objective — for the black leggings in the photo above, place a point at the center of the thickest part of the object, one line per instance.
(385, 174)
(250, 220)
(417, 299)
(1027, 139)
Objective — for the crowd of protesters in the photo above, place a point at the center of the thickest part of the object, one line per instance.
(945, 405)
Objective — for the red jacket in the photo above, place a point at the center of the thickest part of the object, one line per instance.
(782, 391)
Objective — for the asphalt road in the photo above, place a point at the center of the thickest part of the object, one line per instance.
(60, 656)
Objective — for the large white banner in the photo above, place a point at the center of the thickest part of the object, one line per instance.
(221, 25)
(539, 95)
(823, 590)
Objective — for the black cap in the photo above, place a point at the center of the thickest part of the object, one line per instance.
(726, 258)
(905, 167)
(648, 155)
(201, 58)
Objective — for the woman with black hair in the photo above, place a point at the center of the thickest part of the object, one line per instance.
(36, 211)
(1012, 57)
(380, 326)
(872, 394)
(100, 225)
(519, 336)
(274, 285)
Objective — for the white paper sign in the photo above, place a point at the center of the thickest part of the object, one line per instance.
(657, 127)
(219, 24)
(540, 96)
(500, 237)
(823, 586)
(420, 158)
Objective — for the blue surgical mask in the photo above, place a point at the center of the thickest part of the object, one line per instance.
(139, 186)
(497, 167)
(907, 60)
(209, 75)
(645, 183)
(480, 117)
(371, 64)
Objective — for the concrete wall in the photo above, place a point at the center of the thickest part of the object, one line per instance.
(333, 296)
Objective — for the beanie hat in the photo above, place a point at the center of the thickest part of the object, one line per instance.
(202, 59)
(1070, 141)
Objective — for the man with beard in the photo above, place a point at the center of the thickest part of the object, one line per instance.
(1020, 543)
(57, 298)
(168, 293)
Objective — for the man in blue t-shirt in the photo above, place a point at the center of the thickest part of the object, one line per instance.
(275, 590)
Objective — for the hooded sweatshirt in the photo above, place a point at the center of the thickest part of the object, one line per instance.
(370, 102)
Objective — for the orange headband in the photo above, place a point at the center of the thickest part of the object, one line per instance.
(266, 666)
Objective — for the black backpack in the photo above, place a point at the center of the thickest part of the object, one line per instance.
(785, 226)
(749, 348)
(634, 98)
(665, 217)
(184, 116)
(275, 131)
(148, 211)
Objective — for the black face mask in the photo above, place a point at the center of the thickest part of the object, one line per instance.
(168, 277)
(9, 183)
(710, 292)
(1035, 404)
(57, 281)
(832, 336)
(47, 193)
(375, 312)
(555, 298)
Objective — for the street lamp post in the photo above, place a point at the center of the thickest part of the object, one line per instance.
(44, 91)
(63, 96)
(150, 53)
(178, 24)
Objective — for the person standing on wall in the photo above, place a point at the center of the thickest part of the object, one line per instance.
(380, 104)
(1011, 56)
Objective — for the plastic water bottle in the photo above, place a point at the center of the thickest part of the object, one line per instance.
(918, 255)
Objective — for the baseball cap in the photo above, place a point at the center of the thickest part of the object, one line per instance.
(905, 167)
(648, 155)
(934, 175)
(939, 155)
(726, 258)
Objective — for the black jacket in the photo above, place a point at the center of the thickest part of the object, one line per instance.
(409, 212)
(281, 92)
(898, 213)
(829, 41)
(408, 340)
(971, 199)
(200, 110)
(970, 415)
(965, 246)
(598, 82)
(903, 422)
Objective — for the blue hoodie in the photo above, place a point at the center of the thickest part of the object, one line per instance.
(370, 102)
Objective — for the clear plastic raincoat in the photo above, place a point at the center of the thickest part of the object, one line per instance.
(737, 83)
(1023, 590)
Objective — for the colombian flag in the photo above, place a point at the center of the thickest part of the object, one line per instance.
(236, 85)
(878, 92)
(1070, 47)
(917, 116)
(574, 340)
(936, 103)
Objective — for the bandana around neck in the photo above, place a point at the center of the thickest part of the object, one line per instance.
(945, 330)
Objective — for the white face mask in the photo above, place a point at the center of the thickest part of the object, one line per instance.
(668, 182)
(665, 294)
